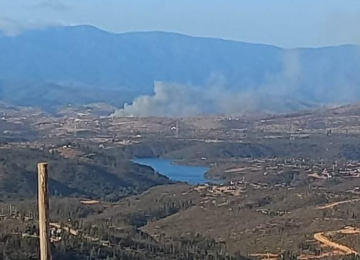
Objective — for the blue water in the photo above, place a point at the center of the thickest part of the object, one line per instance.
(190, 174)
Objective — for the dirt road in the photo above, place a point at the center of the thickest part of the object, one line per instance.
(333, 204)
(338, 249)
(326, 241)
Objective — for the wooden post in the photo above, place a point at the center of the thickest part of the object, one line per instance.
(43, 201)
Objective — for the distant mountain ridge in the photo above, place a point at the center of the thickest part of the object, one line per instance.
(50, 65)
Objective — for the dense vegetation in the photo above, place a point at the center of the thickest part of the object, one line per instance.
(126, 242)
(125, 222)
(333, 148)
(103, 177)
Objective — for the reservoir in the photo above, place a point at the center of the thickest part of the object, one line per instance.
(185, 173)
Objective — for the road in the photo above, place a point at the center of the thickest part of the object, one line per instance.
(326, 241)
(338, 249)
(333, 204)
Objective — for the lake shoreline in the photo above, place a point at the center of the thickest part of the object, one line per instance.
(177, 170)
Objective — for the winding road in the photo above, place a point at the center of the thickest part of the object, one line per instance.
(338, 249)
(322, 238)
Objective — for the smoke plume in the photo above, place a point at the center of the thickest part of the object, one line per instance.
(11, 27)
(289, 90)
(216, 98)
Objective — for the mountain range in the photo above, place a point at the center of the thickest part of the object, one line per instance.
(82, 64)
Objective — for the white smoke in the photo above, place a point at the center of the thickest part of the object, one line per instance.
(11, 27)
(215, 98)
(280, 93)
(168, 100)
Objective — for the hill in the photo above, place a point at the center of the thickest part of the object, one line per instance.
(73, 177)
(52, 64)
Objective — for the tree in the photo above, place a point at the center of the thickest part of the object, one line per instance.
(287, 255)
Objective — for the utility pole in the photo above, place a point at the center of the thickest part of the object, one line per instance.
(43, 201)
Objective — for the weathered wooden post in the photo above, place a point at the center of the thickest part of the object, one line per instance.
(43, 201)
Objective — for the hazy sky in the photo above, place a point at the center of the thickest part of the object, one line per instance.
(286, 23)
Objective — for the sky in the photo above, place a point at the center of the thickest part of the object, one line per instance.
(284, 23)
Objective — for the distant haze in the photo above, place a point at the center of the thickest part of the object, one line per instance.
(284, 23)
(167, 74)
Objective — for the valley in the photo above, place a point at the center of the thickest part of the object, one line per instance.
(179, 130)
(285, 184)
